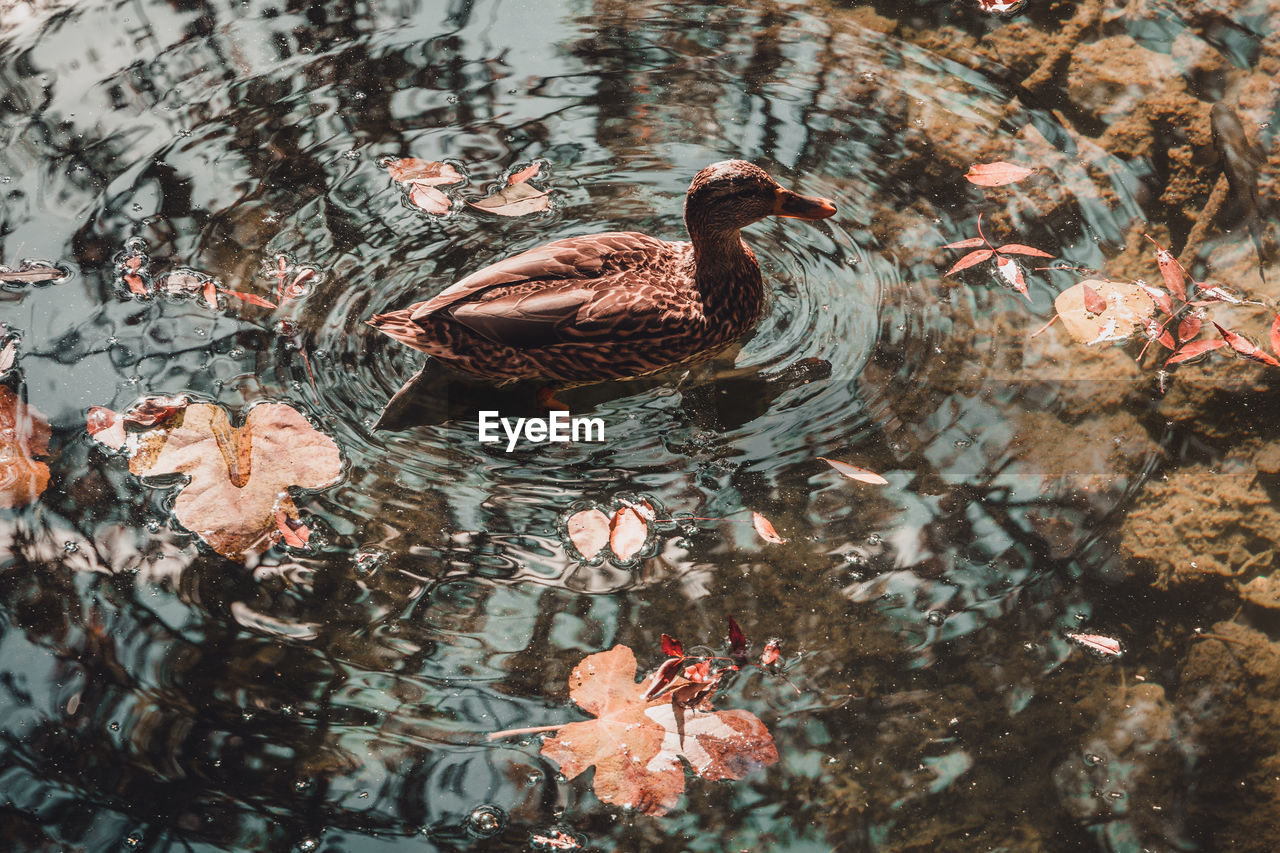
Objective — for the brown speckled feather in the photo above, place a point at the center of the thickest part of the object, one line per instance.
(603, 306)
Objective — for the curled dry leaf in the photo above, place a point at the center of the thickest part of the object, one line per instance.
(239, 476)
(106, 427)
(1106, 646)
(514, 200)
(853, 472)
(525, 174)
(24, 435)
(636, 744)
(765, 528)
(589, 532)
(429, 199)
(1128, 307)
(627, 532)
(999, 173)
(420, 178)
(1193, 349)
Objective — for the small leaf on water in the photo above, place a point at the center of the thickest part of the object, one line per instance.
(1189, 327)
(514, 200)
(1093, 302)
(28, 275)
(429, 199)
(1193, 349)
(8, 355)
(737, 640)
(970, 260)
(1019, 249)
(295, 533)
(1128, 307)
(1108, 646)
(853, 472)
(210, 294)
(427, 173)
(1012, 274)
(998, 173)
(765, 528)
(589, 532)
(1275, 335)
(524, 174)
(1245, 347)
(106, 427)
(772, 651)
(971, 243)
(250, 298)
(627, 533)
(671, 647)
(1157, 332)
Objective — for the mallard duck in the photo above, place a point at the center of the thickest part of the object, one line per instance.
(613, 305)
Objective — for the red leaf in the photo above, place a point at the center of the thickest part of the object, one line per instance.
(1108, 646)
(1012, 274)
(250, 298)
(971, 243)
(557, 840)
(1189, 327)
(1093, 301)
(627, 533)
(969, 260)
(1194, 349)
(106, 427)
(662, 676)
(737, 640)
(588, 531)
(296, 287)
(1019, 249)
(765, 529)
(137, 286)
(429, 199)
(853, 472)
(671, 647)
(1159, 297)
(1275, 335)
(24, 438)
(772, 651)
(524, 174)
(1242, 345)
(295, 533)
(210, 294)
(1157, 333)
(1171, 271)
(996, 174)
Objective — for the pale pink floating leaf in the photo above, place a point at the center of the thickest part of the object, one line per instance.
(1103, 645)
(999, 173)
(589, 532)
(853, 472)
(765, 528)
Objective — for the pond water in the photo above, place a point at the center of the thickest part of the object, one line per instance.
(158, 696)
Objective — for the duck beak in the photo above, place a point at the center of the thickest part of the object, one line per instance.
(787, 203)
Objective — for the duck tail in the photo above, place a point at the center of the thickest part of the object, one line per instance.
(398, 326)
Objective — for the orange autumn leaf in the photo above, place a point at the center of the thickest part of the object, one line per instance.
(427, 173)
(525, 174)
(24, 435)
(238, 476)
(996, 174)
(765, 528)
(589, 532)
(628, 531)
(636, 744)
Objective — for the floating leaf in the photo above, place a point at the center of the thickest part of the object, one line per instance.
(1020, 249)
(765, 528)
(737, 641)
(134, 270)
(294, 532)
(627, 532)
(671, 647)
(1189, 327)
(24, 435)
(238, 476)
(429, 199)
(427, 173)
(636, 744)
(31, 274)
(1128, 307)
(1245, 347)
(514, 200)
(1158, 295)
(1159, 333)
(1001, 7)
(772, 651)
(999, 173)
(8, 355)
(589, 532)
(524, 174)
(106, 427)
(1171, 271)
(1108, 646)
(1194, 349)
(853, 472)
(154, 409)
(1275, 335)
(971, 243)
(250, 298)
(1012, 274)
(969, 260)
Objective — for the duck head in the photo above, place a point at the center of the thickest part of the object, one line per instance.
(732, 194)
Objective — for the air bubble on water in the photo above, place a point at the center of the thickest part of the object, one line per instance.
(137, 208)
(115, 727)
(369, 560)
(184, 132)
(353, 154)
(485, 821)
(364, 795)
(70, 547)
(235, 352)
(962, 443)
(200, 333)
(1092, 760)
(873, 539)
(936, 617)
(534, 777)
(4, 179)
(152, 524)
(302, 784)
(453, 99)
(133, 840)
(112, 341)
(307, 845)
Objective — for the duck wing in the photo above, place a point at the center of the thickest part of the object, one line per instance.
(578, 289)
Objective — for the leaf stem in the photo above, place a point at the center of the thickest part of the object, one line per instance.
(531, 730)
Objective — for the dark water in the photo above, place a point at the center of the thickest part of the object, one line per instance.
(156, 696)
